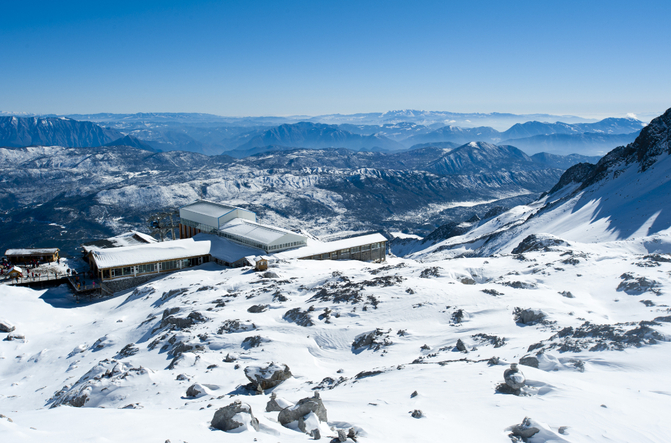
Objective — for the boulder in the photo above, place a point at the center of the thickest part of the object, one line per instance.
(308, 412)
(528, 317)
(270, 274)
(529, 360)
(255, 309)
(525, 429)
(6, 326)
(236, 417)
(514, 377)
(461, 347)
(267, 377)
(277, 404)
(196, 390)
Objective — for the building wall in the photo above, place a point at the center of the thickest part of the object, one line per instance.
(370, 252)
(237, 213)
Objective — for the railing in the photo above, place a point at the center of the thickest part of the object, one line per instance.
(32, 279)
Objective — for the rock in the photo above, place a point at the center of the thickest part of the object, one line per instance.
(236, 417)
(301, 318)
(181, 322)
(315, 434)
(230, 358)
(417, 414)
(514, 377)
(270, 274)
(6, 326)
(14, 337)
(374, 340)
(256, 309)
(525, 429)
(342, 435)
(541, 242)
(127, 351)
(562, 430)
(269, 376)
(182, 377)
(253, 342)
(302, 411)
(529, 360)
(528, 317)
(277, 404)
(461, 347)
(414, 394)
(196, 390)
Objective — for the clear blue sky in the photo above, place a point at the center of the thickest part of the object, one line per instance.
(589, 58)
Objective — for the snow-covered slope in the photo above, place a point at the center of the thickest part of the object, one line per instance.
(626, 195)
(120, 369)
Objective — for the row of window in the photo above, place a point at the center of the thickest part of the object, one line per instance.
(152, 267)
(344, 254)
(287, 245)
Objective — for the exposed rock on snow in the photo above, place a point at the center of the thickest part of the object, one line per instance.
(231, 326)
(176, 322)
(6, 326)
(236, 417)
(256, 309)
(298, 316)
(127, 351)
(266, 377)
(528, 317)
(461, 347)
(524, 430)
(539, 242)
(529, 360)
(197, 390)
(514, 381)
(302, 412)
(15, 337)
(276, 404)
(374, 340)
(253, 342)
(99, 382)
(637, 285)
(417, 413)
(589, 336)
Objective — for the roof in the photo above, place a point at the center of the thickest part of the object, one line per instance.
(254, 231)
(38, 251)
(227, 250)
(317, 247)
(149, 253)
(126, 239)
(211, 209)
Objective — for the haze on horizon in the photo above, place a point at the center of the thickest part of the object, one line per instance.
(593, 59)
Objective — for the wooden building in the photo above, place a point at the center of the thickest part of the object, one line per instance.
(44, 255)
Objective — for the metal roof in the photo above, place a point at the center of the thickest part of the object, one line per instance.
(211, 209)
(254, 231)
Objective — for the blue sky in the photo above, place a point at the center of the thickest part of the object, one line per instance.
(235, 58)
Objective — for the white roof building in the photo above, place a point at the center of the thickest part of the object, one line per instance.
(256, 235)
(207, 216)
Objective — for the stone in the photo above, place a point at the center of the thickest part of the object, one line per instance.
(514, 377)
(525, 429)
(196, 390)
(529, 360)
(270, 274)
(6, 326)
(414, 394)
(417, 414)
(227, 418)
(256, 309)
(300, 412)
(269, 376)
(342, 435)
(277, 404)
(461, 347)
(528, 317)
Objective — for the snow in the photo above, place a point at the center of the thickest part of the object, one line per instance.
(263, 234)
(456, 391)
(209, 208)
(227, 250)
(46, 251)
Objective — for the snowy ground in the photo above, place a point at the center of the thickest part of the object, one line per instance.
(606, 380)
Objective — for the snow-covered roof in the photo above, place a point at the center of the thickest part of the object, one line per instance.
(227, 250)
(211, 209)
(255, 231)
(130, 238)
(38, 251)
(316, 247)
(150, 253)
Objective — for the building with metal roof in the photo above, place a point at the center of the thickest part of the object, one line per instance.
(206, 216)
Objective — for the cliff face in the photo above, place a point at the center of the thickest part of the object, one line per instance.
(654, 140)
(51, 131)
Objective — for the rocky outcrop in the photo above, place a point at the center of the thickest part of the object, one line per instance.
(302, 411)
(528, 317)
(6, 326)
(540, 242)
(277, 404)
(236, 417)
(266, 377)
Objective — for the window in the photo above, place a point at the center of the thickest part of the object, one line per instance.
(145, 269)
(128, 270)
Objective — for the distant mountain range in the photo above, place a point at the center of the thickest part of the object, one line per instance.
(212, 135)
